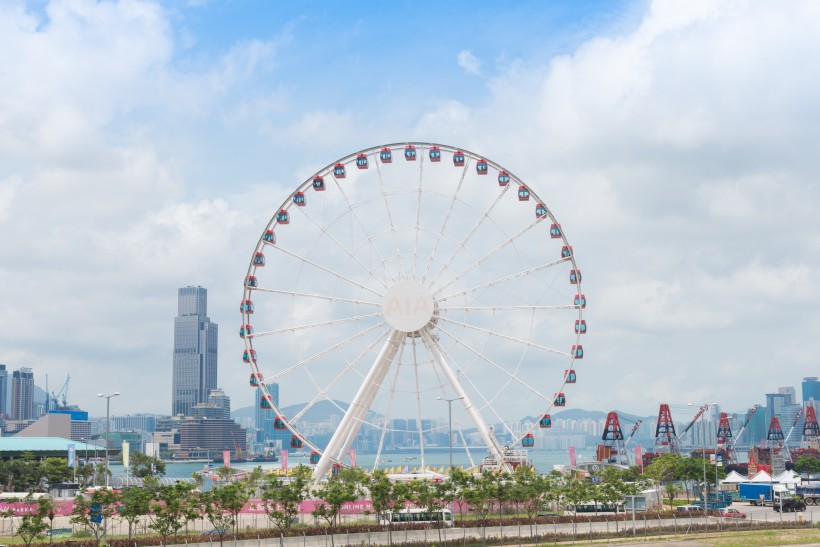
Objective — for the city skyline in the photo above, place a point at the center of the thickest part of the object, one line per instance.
(675, 141)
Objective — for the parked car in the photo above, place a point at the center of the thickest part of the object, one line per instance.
(732, 514)
(790, 505)
(685, 508)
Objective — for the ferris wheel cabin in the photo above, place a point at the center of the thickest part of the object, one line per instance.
(540, 210)
(265, 403)
(481, 167)
(523, 193)
(580, 326)
(575, 276)
(528, 441)
(315, 457)
(251, 282)
(319, 184)
(361, 161)
(259, 260)
(580, 301)
(560, 399)
(246, 306)
(503, 178)
(545, 422)
(435, 154)
(269, 237)
(566, 251)
(578, 352)
(339, 171)
(245, 331)
(299, 199)
(279, 423)
(410, 153)
(282, 217)
(555, 231)
(295, 442)
(249, 355)
(570, 377)
(386, 155)
(256, 379)
(458, 158)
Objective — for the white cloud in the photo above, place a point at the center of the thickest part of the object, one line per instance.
(469, 62)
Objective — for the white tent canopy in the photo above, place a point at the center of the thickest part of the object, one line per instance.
(734, 478)
(761, 476)
(787, 477)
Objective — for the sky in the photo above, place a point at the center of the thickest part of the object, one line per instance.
(145, 145)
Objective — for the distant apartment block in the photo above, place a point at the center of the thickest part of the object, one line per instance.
(22, 394)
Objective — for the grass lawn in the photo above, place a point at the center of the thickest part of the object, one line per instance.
(766, 537)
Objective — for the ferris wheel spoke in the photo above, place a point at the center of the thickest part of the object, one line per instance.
(387, 208)
(469, 236)
(389, 411)
(364, 231)
(418, 215)
(440, 235)
(503, 308)
(352, 420)
(328, 270)
(342, 247)
(303, 363)
(487, 403)
(324, 391)
(527, 343)
(487, 256)
(501, 369)
(318, 296)
(313, 325)
(418, 401)
(504, 279)
(489, 440)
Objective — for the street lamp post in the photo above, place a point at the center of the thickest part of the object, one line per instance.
(703, 490)
(450, 421)
(107, 431)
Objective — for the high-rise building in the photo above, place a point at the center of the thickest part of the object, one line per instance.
(22, 394)
(195, 351)
(217, 407)
(811, 389)
(4, 390)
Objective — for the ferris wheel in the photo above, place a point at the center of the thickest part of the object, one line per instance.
(403, 277)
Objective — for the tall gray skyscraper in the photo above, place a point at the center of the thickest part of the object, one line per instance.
(4, 390)
(195, 348)
(22, 394)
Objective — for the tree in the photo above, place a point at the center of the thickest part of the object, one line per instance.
(527, 490)
(135, 503)
(143, 466)
(424, 494)
(345, 486)
(282, 498)
(170, 509)
(575, 492)
(93, 512)
(807, 465)
(664, 470)
(480, 494)
(461, 482)
(221, 506)
(33, 525)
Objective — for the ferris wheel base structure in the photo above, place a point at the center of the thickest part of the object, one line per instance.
(433, 276)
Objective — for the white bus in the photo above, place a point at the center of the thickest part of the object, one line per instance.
(444, 516)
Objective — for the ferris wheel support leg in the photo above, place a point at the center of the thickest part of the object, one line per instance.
(351, 422)
(483, 430)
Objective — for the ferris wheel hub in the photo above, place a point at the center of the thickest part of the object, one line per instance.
(408, 306)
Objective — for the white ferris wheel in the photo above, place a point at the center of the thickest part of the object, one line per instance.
(402, 277)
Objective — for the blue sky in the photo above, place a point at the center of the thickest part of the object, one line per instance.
(144, 145)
